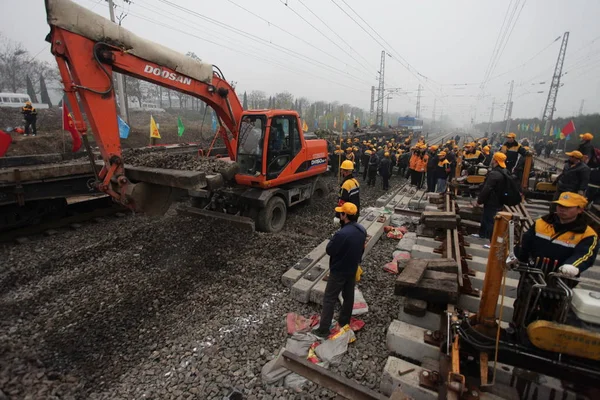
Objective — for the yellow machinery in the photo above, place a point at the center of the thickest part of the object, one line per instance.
(555, 328)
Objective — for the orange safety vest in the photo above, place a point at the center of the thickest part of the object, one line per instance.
(413, 161)
(421, 163)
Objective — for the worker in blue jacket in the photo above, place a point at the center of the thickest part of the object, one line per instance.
(345, 250)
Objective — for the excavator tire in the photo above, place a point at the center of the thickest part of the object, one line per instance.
(272, 217)
(320, 190)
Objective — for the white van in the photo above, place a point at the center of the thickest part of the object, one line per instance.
(17, 100)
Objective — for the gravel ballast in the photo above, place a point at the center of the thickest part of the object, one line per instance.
(171, 308)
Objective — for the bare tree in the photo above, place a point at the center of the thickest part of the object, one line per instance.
(257, 99)
(283, 100)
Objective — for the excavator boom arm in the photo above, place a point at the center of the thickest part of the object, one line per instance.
(89, 49)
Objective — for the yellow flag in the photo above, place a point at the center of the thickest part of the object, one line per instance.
(154, 129)
(335, 122)
(304, 126)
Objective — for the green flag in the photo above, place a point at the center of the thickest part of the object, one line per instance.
(180, 127)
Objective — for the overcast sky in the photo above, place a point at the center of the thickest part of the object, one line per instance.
(441, 44)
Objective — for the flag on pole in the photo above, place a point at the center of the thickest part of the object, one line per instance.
(304, 126)
(316, 124)
(123, 128)
(214, 122)
(5, 141)
(567, 130)
(344, 127)
(69, 126)
(180, 127)
(334, 122)
(154, 133)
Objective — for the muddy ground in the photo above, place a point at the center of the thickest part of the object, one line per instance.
(170, 308)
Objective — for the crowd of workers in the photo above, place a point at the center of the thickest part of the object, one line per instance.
(562, 234)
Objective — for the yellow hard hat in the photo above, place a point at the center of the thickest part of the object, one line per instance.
(586, 136)
(337, 146)
(511, 135)
(347, 165)
(386, 154)
(27, 103)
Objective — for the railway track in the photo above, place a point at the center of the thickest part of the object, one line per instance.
(76, 213)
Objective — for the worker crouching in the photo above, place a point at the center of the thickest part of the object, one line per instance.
(345, 250)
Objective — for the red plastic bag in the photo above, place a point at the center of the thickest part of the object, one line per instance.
(5, 141)
(297, 323)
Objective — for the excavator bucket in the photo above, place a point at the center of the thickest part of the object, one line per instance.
(151, 199)
(155, 190)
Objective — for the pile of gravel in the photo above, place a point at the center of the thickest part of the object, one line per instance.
(173, 307)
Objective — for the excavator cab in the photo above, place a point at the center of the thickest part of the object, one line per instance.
(272, 149)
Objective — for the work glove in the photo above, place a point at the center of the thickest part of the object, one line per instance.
(568, 270)
(336, 221)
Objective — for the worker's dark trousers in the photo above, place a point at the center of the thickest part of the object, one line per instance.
(413, 177)
(401, 170)
(386, 181)
(419, 178)
(487, 222)
(335, 285)
(372, 178)
(365, 172)
(31, 124)
(431, 181)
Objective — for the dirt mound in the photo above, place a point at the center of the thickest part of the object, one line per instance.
(185, 162)
(51, 136)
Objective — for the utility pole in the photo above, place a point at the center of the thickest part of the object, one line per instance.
(491, 116)
(381, 91)
(372, 105)
(581, 108)
(509, 105)
(418, 112)
(387, 111)
(553, 92)
(120, 85)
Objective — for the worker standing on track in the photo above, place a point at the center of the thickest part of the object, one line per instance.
(575, 176)
(539, 147)
(373, 166)
(345, 250)
(30, 116)
(489, 196)
(431, 167)
(441, 172)
(563, 236)
(385, 170)
(350, 188)
(365, 161)
(585, 147)
(513, 150)
(549, 148)
(421, 167)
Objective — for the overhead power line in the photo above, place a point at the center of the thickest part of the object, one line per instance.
(235, 49)
(299, 38)
(398, 57)
(258, 39)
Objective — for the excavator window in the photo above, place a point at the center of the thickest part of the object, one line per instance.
(280, 146)
(250, 144)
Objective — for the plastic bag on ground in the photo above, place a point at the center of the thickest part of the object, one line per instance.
(360, 304)
(299, 343)
(273, 371)
(355, 324)
(297, 323)
(332, 350)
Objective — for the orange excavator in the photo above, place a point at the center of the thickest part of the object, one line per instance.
(275, 167)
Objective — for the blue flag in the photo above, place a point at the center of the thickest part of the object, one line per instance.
(123, 128)
(316, 124)
(344, 127)
(214, 123)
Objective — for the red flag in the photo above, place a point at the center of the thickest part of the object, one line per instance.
(5, 141)
(69, 125)
(567, 129)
